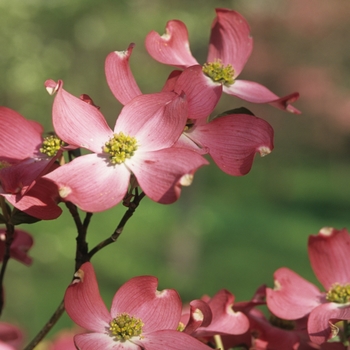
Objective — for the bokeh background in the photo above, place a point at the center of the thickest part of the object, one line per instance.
(224, 232)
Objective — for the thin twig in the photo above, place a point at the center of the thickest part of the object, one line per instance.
(117, 232)
(52, 321)
(80, 256)
(10, 231)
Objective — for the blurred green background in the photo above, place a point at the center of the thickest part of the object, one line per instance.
(224, 232)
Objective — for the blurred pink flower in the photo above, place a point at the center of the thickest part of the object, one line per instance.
(140, 318)
(140, 144)
(63, 341)
(293, 297)
(11, 337)
(229, 49)
(22, 242)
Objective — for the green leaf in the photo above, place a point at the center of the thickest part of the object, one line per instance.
(19, 217)
(240, 110)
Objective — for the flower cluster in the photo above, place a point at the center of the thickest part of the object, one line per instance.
(301, 316)
(294, 298)
(157, 143)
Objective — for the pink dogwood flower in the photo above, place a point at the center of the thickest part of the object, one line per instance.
(141, 317)
(229, 49)
(223, 319)
(22, 242)
(232, 141)
(293, 297)
(269, 333)
(140, 144)
(201, 96)
(22, 163)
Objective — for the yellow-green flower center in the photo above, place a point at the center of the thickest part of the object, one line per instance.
(339, 293)
(180, 327)
(219, 73)
(51, 145)
(120, 147)
(124, 327)
(189, 125)
(281, 323)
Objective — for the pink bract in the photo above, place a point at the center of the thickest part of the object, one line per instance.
(293, 297)
(225, 320)
(230, 44)
(159, 311)
(232, 141)
(155, 121)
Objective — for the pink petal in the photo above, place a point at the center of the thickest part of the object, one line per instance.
(200, 91)
(275, 338)
(91, 182)
(160, 173)
(185, 142)
(99, 341)
(233, 140)
(83, 301)
(319, 326)
(171, 340)
(155, 120)
(200, 316)
(329, 255)
(225, 320)
(40, 201)
(293, 297)
(230, 40)
(172, 78)
(20, 138)
(173, 47)
(119, 76)
(257, 93)
(139, 297)
(18, 177)
(79, 123)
